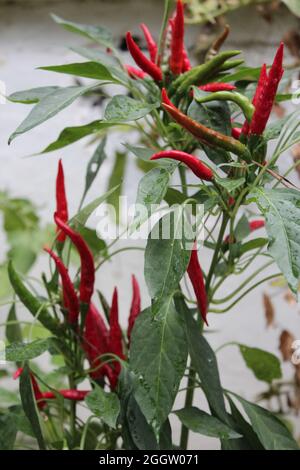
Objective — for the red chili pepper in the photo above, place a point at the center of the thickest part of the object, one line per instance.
(237, 131)
(186, 64)
(70, 394)
(217, 86)
(87, 278)
(196, 276)
(256, 224)
(266, 95)
(61, 199)
(69, 294)
(95, 341)
(135, 308)
(142, 61)
(197, 167)
(206, 135)
(115, 337)
(165, 99)
(177, 41)
(135, 73)
(38, 395)
(263, 78)
(151, 44)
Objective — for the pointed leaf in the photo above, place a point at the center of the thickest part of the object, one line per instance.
(83, 69)
(104, 405)
(263, 364)
(122, 108)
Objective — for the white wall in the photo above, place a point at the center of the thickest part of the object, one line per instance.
(28, 39)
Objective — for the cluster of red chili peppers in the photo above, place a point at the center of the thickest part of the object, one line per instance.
(97, 338)
(178, 77)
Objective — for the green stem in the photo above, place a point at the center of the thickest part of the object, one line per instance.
(217, 249)
(184, 437)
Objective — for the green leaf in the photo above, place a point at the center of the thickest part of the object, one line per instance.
(22, 423)
(293, 5)
(83, 69)
(204, 361)
(152, 188)
(200, 422)
(242, 229)
(263, 364)
(281, 209)
(96, 55)
(18, 352)
(173, 196)
(96, 244)
(158, 355)
(141, 433)
(230, 184)
(253, 245)
(83, 215)
(122, 108)
(94, 165)
(8, 431)
(140, 152)
(104, 405)
(166, 258)
(97, 33)
(8, 398)
(271, 432)
(117, 178)
(49, 106)
(34, 95)
(29, 405)
(13, 331)
(274, 129)
(72, 134)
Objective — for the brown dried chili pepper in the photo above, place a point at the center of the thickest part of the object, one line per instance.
(87, 277)
(151, 44)
(196, 276)
(70, 298)
(209, 136)
(135, 308)
(135, 73)
(177, 40)
(142, 61)
(61, 199)
(197, 167)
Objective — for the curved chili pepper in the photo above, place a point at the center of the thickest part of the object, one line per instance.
(197, 167)
(177, 40)
(38, 395)
(266, 97)
(256, 224)
(165, 99)
(209, 136)
(87, 277)
(69, 294)
(95, 341)
(135, 308)
(32, 303)
(142, 61)
(135, 73)
(217, 86)
(61, 199)
(115, 336)
(151, 44)
(241, 100)
(196, 276)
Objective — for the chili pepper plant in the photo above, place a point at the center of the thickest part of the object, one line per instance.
(204, 140)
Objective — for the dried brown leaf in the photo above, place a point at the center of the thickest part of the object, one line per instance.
(269, 310)
(285, 344)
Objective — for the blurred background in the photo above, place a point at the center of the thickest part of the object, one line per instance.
(29, 39)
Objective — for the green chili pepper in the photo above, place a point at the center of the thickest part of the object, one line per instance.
(200, 74)
(230, 64)
(35, 307)
(242, 101)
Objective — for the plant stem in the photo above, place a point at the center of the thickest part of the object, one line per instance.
(184, 437)
(217, 249)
